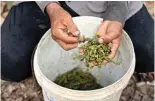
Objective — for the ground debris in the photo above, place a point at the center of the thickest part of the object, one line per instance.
(23, 91)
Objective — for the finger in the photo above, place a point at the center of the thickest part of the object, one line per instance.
(59, 34)
(72, 27)
(81, 38)
(102, 31)
(70, 46)
(81, 50)
(110, 36)
(66, 46)
(91, 64)
(114, 48)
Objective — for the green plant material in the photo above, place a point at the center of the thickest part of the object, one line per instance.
(95, 53)
(78, 80)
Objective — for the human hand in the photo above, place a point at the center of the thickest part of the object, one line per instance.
(110, 32)
(63, 29)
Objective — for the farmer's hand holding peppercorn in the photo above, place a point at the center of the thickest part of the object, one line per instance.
(109, 31)
(61, 21)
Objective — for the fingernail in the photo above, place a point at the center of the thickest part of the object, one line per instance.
(81, 50)
(105, 62)
(77, 33)
(91, 64)
(100, 40)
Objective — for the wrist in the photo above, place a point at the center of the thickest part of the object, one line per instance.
(119, 23)
(52, 8)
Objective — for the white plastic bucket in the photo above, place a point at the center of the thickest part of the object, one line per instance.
(50, 60)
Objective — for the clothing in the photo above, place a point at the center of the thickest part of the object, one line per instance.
(26, 23)
(140, 28)
(20, 33)
(108, 10)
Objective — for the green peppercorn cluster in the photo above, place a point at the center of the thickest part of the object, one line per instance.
(94, 53)
(78, 80)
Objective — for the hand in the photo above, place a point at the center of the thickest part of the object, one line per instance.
(63, 29)
(110, 32)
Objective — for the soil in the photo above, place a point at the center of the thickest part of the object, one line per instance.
(27, 90)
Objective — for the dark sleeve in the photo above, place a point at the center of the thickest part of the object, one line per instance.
(117, 11)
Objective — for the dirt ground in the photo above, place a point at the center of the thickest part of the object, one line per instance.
(29, 91)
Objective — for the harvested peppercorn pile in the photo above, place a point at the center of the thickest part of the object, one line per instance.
(78, 80)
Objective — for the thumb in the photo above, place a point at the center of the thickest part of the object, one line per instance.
(108, 37)
(112, 31)
(102, 31)
(72, 28)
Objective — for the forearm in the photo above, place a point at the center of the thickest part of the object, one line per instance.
(117, 11)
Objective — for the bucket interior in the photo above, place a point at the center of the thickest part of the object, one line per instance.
(53, 60)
